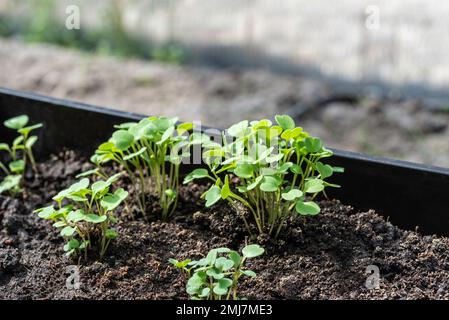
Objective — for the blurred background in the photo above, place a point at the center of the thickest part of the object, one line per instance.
(364, 75)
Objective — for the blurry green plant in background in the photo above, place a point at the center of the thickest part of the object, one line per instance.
(111, 38)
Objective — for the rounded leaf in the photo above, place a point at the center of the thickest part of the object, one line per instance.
(122, 140)
(17, 166)
(307, 208)
(325, 170)
(285, 122)
(111, 234)
(45, 213)
(238, 129)
(270, 184)
(68, 231)
(93, 218)
(213, 195)
(196, 174)
(252, 251)
(314, 186)
(249, 273)
(292, 194)
(244, 170)
(17, 123)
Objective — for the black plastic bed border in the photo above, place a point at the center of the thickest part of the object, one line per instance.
(411, 195)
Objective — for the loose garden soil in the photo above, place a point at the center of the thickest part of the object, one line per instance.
(321, 257)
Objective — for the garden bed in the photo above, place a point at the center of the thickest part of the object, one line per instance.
(322, 257)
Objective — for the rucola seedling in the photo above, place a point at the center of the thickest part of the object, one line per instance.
(216, 277)
(150, 151)
(278, 166)
(20, 153)
(88, 216)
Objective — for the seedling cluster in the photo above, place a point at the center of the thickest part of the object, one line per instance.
(87, 216)
(274, 170)
(216, 277)
(19, 154)
(151, 152)
(278, 167)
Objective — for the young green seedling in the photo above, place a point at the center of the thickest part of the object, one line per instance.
(150, 151)
(87, 217)
(20, 153)
(279, 168)
(216, 277)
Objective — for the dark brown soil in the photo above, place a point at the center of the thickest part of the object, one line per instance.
(322, 257)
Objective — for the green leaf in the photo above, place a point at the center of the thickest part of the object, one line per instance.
(72, 244)
(224, 264)
(4, 147)
(274, 158)
(235, 257)
(292, 133)
(252, 251)
(113, 179)
(284, 167)
(84, 245)
(292, 194)
(163, 123)
(68, 231)
(17, 166)
(122, 140)
(307, 208)
(93, 218)
(59, 224)
(76, 216)
(10, 183)
(225, 283)
(313, 145)
(167, 135)
(213, 195)
(196, 174)
(31, 141)
(244, 170)
(338, 169)
(238, 129)
(80, 185)
(204, 293)
(111, 234)
(296, 169)
(211, 257)
(196, 281)
(45, 213)
(99, 187)
(270, 184)
(112, 201)
(17, 123)
(254, 184)
(25, 131)
(314, 186)
(121, 193)
(170, 193)
(17, 142)
(249, 273)
(135, 154)
(87, 173)
(226, 190)
(214, 273)
(285, 121)
(125, 126)
(325, 170)
(61, 195)
(184, 127)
